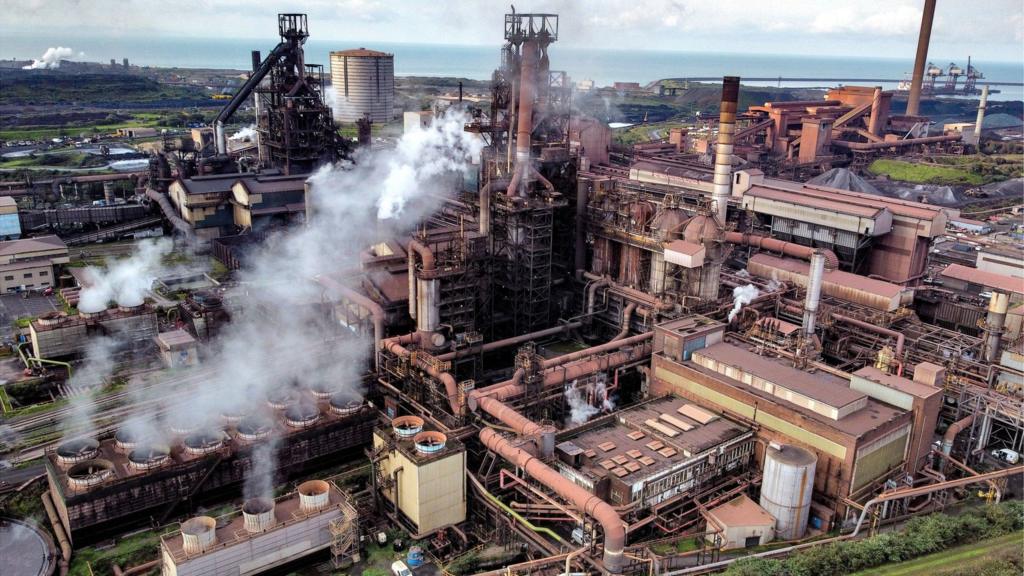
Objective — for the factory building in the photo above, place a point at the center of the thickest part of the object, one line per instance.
(31, 263)
(101, 486)
(263, 535)
(654, 452)
(364, 85)
(1006, 260)
(856, 434)
(224, 204)
(974, 281)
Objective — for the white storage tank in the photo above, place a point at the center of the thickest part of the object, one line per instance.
(788, 481)
(364, 85)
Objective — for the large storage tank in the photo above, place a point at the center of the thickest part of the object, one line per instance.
(364, 85)
(788, 480)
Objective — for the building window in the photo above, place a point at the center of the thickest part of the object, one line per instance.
(27, 275)
(43, 273)
(8, 277)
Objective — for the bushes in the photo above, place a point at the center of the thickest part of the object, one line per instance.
(922, 535)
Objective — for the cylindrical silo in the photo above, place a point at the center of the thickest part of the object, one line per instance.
(788, 480)
(364, 85)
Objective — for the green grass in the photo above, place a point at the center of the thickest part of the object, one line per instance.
(130, 551)
(959, 558)
(971, 170)
(5, 401)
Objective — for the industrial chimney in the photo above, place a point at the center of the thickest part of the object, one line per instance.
(258, 515)
(914, 99)
(814, 281)
(994, 323)
(723, 151)
(981, 116)
(314, 495)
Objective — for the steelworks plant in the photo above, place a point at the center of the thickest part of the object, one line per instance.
(581, 352)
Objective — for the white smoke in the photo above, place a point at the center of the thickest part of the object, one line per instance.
(247, 133)
(88, 377)
(125, 281)
(51, 58)
(284, 333)
(741, 296)
(587, 400)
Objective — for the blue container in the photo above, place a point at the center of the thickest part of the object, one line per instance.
(815, 522)
(415, 557)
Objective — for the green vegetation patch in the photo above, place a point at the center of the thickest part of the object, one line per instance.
(920, 536)
(972, 170)
(1002, 555)
(127, 552)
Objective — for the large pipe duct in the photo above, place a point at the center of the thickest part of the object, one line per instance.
(914, 99)
(723, 151)
(994, 323)
(951, 433)
(787, 248)
(814, 282)
(584, 501)
(981, 115)
(397, 346)
(875, 119)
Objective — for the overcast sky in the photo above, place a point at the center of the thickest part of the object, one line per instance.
(986, 29)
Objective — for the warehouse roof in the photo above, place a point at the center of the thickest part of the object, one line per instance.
(852, 281)
(900, 383)
(822, 202)
(982, 278)
(821, 387)
(647, 439)
(37, 244)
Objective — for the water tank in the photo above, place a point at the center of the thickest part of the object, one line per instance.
(786, 488)
(364, 85)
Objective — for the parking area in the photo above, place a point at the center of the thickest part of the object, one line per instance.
(14, 306)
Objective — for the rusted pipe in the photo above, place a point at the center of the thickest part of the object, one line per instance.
(627, 318)
(955, 428)
(58, 531)
(141, 568)
(557, 374)
(895, 143)
(875, 119)
(599, 349)
(787, 248)
(376, 311)
(592, 293)
(498, 344)
(397, 346)
(876, 329)
(584, 501)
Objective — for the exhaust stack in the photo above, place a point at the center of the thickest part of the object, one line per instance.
(314, 495)
(258, 515)
(914, 99)
(723, 151)
(198, 534)
(814, 281)
(981, 115)
(994, 324)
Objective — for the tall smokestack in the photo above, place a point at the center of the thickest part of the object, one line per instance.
(994, 324)
(981, 115)
(814, 280)
(914, 99)
(723, 151)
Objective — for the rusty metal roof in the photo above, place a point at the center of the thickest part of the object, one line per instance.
(853, 281)
(983, 278)
(824, 202)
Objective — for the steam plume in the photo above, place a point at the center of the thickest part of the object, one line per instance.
(581, 399)
(51, 58)
(284, 335)
(741, 296)
(125, 281)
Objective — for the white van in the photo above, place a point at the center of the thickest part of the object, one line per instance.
(398, 568)
(1006, 455)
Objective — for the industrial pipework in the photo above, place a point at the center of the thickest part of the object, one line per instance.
(723, 151)
(584, 501)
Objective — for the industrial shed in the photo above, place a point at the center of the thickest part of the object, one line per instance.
(741, 523)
